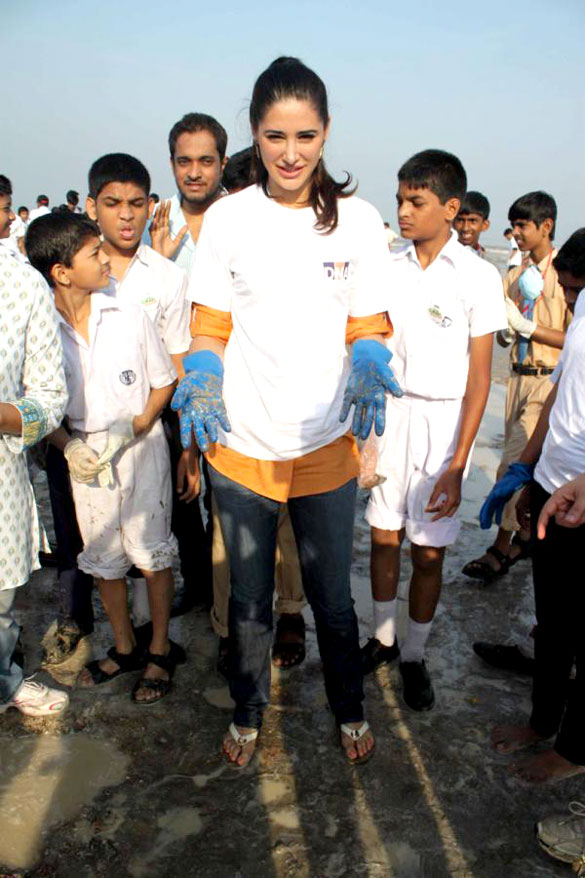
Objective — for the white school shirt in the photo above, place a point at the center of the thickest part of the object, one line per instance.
(111, 377)
(435, 314)
(290, 290)
(563, 453)
(159, 288)
(36, 212)
(514, 256)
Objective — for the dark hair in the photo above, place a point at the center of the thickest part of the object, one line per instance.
(437, 170)
(5, 185)
(191, 123)
(236, 174)
(535, 207)
(571, 256)
(117, 167)
(155, 197)
(72, 197)
(56, 238)
(475, 202)
(290, 78)
(43, 199)
(23, 207)
(508, 231)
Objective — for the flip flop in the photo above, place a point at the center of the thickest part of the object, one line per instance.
(241, 740)
(356, 735)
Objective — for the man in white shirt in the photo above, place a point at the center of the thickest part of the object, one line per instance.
(556, 455)
(41, 209)
(197, 145)
(514, 256)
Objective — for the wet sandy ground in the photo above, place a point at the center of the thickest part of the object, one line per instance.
(113, 788)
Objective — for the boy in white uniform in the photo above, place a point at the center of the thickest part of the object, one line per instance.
(445, 305)
(119, 188)
(119, 380)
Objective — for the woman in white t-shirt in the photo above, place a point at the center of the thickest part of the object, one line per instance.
(286, 273)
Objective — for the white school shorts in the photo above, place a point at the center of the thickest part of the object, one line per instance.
(417, 446)
(129, 522)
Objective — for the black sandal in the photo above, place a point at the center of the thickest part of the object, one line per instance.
(290, 652)
(525, 547)
(482, 570)
(176, 656)
(132, 661)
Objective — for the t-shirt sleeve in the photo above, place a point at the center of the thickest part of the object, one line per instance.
(210, 280)
(371, 277)
(159, 365)
(488, 308)
(177, 316)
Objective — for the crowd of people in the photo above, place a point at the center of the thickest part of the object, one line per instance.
(255, 335)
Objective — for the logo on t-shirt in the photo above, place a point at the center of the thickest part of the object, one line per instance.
(337, 271)
(128, 376)
(148, 301)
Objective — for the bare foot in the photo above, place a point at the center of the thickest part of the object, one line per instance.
(508, 739)
(357, 750)
(239, 753)
(546, 766)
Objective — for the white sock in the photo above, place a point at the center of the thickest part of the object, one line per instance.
(140, 605)
(385, 621)
(413, 648)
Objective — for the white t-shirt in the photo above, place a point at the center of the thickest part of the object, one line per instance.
(290, 290)
(563, 453)
(515, 255)
(111, 378)
(436, 312)
(159, 288)
(36, 212)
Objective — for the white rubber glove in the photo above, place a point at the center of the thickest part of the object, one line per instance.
(522, 325)
(120, 434)
(82, 461)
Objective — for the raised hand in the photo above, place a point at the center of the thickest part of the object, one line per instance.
(160, 232)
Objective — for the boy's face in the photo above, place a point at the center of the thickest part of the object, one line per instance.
(197, 167)
(469, 227)
(528, 235)
(23, 214)
(121, 211)
(89, 270)
(572, 286)
(6, 215)
(421, 216)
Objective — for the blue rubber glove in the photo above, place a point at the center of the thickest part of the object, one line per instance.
(517, 475)
(199, 401)
(368, 381)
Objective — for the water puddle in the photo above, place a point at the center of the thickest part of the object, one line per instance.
(45, 780)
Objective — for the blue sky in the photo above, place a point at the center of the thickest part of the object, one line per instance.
(498, 83)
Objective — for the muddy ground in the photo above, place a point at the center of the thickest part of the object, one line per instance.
(115, 789)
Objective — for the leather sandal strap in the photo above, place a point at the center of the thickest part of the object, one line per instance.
(355, 734)
(240, 739)
(495, 553)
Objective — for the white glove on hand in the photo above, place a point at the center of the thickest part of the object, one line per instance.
(517, 322)
(82, 461)
(120, 434)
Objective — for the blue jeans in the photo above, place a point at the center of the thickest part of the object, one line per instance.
(11, 675)
(323, 528)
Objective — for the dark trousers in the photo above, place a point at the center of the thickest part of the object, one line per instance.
(69, 543)
(558, 703)
(323, 528)
(187, 525)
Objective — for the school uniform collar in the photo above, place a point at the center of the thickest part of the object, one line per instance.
(452, 252)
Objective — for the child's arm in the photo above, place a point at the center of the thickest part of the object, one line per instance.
(157, 400)
(474, 402)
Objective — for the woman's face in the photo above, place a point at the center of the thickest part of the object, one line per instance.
(290, 138)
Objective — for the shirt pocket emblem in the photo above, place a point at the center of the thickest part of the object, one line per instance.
(127, 376)
(439, 318)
